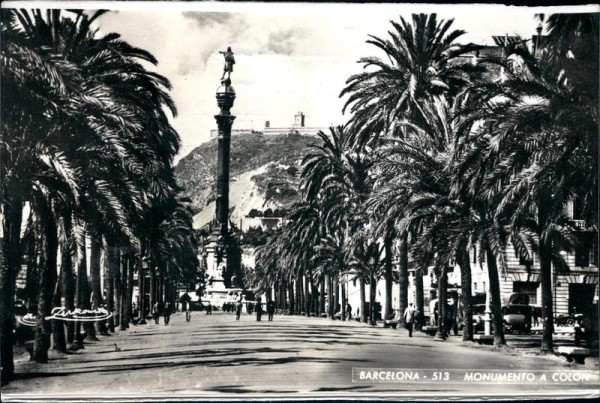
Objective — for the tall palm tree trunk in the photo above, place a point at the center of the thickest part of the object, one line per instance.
(111, 263)
(291, 297)
(307, 295)
(43, 328)
(86, 290)
(496, 303)
(278, 296)
(142, 288)
(80, 281)
(372, 297)
(321, 295)
(363, 305)
(299, 294)
(403, 275)
(152, 286)
(388, 276)
(97, 299)
(330, 302)
(32, 280)
(547, 346)
(67, 277)
(462, 258)
(442, 332)
(123, 304)
(58, 328)
(419, 295)
(284, 296)
(11, 249)
(160, 282)
(117, 287)
(344, 300)
(130, 269)
(336, 295)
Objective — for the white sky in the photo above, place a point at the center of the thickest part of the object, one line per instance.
(289, 57)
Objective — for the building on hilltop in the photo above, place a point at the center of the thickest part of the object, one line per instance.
(297, 127)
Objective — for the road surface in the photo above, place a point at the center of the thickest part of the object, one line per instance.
(216, 356)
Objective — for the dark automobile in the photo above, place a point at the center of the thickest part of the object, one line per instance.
(517, 317)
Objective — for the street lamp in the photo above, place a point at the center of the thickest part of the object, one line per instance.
(487, 317)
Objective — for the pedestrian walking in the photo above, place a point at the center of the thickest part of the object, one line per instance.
(349, 311)
(167, 312)
(185, 302)
(209, 308)
(409, 318)
(433, 312)
(238, 308)
(270, 309)
(536, 316)
(188, 311)
(156, 312)
(259, 310)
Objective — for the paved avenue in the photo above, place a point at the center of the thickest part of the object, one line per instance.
(218, 356)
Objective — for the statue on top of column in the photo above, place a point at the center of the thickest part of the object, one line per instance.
(229, 62)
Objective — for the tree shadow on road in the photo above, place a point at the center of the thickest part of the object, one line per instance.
(190, 359)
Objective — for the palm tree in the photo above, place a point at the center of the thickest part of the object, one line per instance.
(336, 175)
(424, 61)
(417, 193)
(36, 87)
(540, 143)
(87, 85)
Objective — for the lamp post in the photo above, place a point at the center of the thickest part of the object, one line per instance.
(487, 317)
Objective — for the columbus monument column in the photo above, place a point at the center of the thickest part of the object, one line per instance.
(225, 98)
(224, 254)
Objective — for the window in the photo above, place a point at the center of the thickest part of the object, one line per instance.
(582, 254)
(577, 209)
(523, 261)
(527, 287)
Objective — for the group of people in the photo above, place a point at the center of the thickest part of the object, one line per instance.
(162, 309)
(165, 309)
(270, 309)
(258, 308)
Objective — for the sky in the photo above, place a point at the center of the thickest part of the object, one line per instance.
(289, 57)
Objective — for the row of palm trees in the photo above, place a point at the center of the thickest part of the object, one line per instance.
(448, 149)
(87, 149)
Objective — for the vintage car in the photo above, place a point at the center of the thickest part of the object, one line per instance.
(517, 317)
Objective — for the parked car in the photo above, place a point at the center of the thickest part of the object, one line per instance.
(517, 317)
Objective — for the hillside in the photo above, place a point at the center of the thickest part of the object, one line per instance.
(264, 174)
